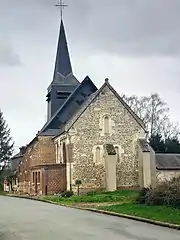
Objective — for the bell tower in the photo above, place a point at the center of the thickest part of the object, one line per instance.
(64, 82)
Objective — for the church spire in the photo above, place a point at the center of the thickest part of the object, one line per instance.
(63, 63)
(64, 82)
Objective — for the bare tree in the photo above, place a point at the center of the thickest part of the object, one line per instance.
(154, 112)
(169, 129)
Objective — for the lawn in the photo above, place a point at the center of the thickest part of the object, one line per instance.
(121, 201)
(158, 213)
(96, 197)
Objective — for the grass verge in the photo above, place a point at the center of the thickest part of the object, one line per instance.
(120, 202)
(2, 193)
(96, 197)
(157, 213)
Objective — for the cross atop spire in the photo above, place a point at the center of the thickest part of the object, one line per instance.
(61, 5)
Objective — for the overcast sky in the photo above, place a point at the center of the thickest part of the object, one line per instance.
(136, 44)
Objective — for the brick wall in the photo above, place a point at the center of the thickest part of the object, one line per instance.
(56, 179)
(54, 176)
(41, 151)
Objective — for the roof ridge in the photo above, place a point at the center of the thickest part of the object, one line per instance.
(133, 114)
(138, 120)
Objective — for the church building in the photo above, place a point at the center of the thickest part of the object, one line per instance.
(90, 135)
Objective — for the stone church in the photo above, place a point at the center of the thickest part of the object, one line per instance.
(90, 135)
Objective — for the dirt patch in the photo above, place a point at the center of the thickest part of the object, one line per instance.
(93, 205)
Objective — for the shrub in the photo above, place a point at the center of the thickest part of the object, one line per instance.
(141, 199)
(167, 193)
(67, 194)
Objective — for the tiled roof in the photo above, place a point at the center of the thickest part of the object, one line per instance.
(69, 107)
(17, 155)
(167, 161)
(63, 63)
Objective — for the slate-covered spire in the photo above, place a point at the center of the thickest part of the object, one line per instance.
(63, 63)
(64, 82)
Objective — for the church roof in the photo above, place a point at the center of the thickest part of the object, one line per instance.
(63, 73)
(167, 161)
(69, 108)
(63, 63)
(18, 155)
(16, 159)
(92, 97)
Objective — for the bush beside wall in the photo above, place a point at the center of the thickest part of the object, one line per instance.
(167, 193)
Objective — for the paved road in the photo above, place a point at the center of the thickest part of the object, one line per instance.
(32, 220)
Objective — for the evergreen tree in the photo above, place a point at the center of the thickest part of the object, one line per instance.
(172, 145)
(160, 145)
(157, 143)
(6, 145)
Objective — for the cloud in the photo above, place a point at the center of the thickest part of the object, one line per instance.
(123, 27)
(133, 42)
(8, 57)
(131, 28)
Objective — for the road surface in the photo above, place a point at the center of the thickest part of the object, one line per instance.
(32, 220)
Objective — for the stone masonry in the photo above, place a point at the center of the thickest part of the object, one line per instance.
(86, 134)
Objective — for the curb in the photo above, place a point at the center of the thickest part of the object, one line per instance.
(140, 219)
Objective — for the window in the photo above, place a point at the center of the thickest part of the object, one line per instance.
(106, 125)
(98, 155)
(119, 153)
(33, 177)
(62, 95)
(97, 152)
(38, 177)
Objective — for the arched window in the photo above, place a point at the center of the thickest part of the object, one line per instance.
(98, 155)
(119, 153)
(106, 125)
